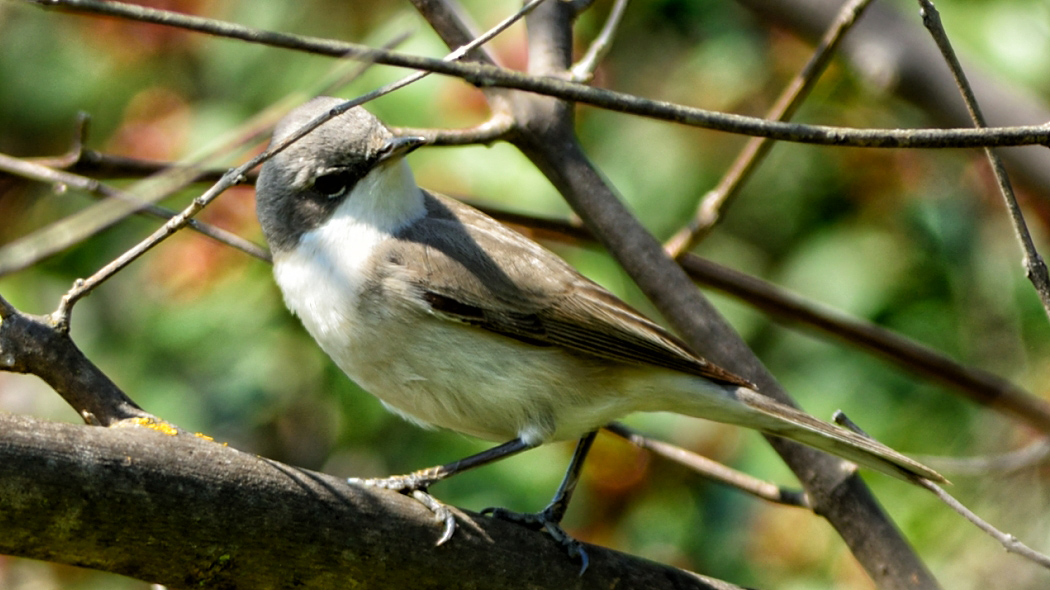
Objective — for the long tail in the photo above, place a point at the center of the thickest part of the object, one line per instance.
(763, 413)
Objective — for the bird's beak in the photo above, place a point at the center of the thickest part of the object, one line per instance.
(398, 147)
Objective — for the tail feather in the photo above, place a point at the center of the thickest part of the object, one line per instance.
(777, 419)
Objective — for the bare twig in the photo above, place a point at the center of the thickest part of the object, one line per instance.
(1026, 457)
(1008, 541)
(102, 165)
(489, 76)
(82, 287)
(40, 173)
(495, 129)
(1034, 264)
(710, 209)
(584, 69)
(714, 470)
(28, 250)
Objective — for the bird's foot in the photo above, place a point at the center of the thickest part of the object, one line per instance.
(545, 521)
(415, 484)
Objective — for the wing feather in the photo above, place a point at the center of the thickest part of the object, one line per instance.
(471, 269)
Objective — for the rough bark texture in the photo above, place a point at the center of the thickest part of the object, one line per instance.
(187, 512)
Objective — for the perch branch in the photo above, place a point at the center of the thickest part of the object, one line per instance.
(186, 512)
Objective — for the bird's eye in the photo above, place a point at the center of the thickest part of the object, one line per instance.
(333, 185)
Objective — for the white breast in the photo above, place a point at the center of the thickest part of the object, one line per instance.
(322, 277)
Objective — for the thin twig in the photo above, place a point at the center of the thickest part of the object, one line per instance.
(711, 207)
(1008, 541)
(495, 129)
(82, 287)
(1034, 264)
(39, 173)
(489, 76)
(57, 236)
(714, 470)
(102, 165)
(1026, 457)
(584, 69)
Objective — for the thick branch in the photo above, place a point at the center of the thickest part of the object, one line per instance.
(37, 345)
(189, 513)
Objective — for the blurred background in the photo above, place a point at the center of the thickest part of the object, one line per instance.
(917, 241)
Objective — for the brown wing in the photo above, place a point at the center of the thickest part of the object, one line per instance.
(470, 268)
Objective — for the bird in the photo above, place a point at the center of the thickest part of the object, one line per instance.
(453, 320)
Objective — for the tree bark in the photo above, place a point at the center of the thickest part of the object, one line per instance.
(187, 512)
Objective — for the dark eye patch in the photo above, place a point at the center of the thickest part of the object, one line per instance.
(335, 184)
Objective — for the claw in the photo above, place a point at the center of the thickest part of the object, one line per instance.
(441, 513)
(544, 521)
(415, 485)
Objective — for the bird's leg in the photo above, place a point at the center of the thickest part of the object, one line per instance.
(549, 519)
(415, 484)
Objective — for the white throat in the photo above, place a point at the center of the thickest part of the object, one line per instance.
(387, 198)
